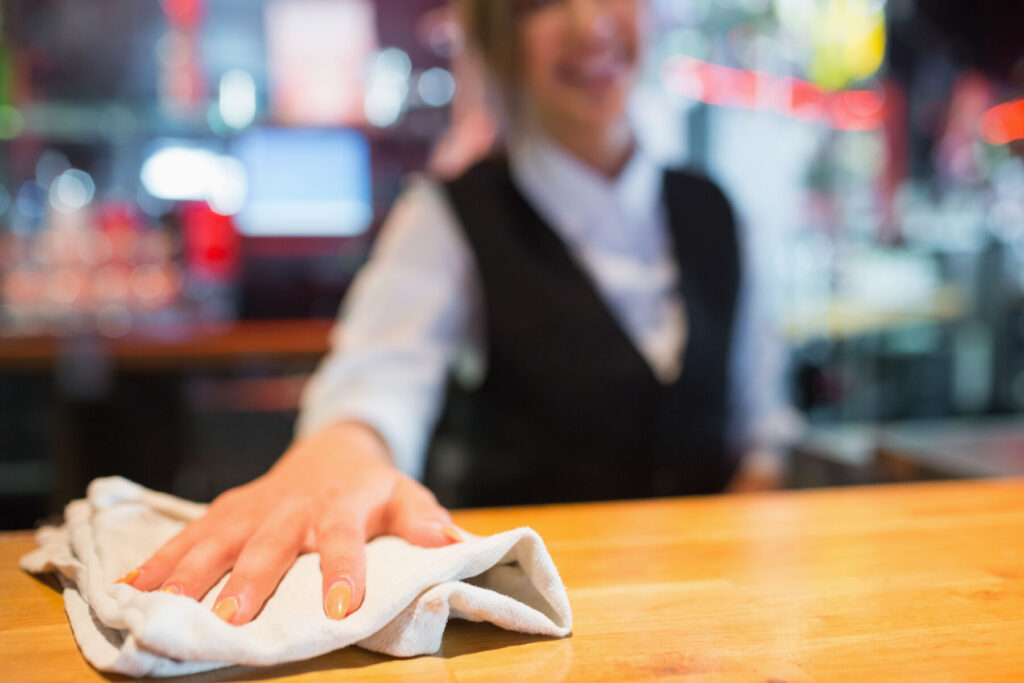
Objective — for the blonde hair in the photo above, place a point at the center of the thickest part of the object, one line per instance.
(490, 28)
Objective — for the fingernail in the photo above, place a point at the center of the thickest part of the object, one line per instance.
(172, 589)
(129, 577)
(225, 609)
(339, 597)
(452, 533)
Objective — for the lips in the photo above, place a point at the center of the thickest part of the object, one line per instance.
(596, 70)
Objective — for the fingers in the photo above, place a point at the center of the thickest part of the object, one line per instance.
(263, 560)
(202, 566)
(341, 540)
(417, 517)
(211, 548)
(258, 545)
(152, 573)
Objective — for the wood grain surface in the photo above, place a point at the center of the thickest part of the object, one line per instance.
(920, 582)
(173, 348)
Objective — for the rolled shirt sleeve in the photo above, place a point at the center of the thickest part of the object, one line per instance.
(417, 304)
(410, 309)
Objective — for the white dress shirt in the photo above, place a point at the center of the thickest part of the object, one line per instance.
(417, 306)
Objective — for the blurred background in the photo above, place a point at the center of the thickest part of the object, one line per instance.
(188, 186)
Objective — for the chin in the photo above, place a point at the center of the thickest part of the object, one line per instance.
(596, 112)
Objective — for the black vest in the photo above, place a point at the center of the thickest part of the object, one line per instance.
(569, 409)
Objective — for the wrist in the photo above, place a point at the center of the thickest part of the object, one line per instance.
(758, 471)
(351, 438)
(763, 462)
(364, 436)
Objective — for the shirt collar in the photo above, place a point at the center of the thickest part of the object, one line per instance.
(572, 196)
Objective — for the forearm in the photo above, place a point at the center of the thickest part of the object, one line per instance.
(410, 307)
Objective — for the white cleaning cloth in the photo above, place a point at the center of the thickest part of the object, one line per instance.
(507, 579)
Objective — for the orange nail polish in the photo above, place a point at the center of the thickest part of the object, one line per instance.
(172, 589)
(225, 609)
(129, 577)
(452, 533)
(338, 599)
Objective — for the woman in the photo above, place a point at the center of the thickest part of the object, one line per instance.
(603, 290)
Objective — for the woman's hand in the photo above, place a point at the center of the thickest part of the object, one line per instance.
(757, 472)
(329, 493)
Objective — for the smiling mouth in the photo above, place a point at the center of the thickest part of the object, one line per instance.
(596, 71)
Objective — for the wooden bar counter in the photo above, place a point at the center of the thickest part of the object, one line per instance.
(919, 582)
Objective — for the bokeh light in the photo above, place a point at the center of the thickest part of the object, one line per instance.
(845, 38)
(31, 200)
(436, 87)
(387, 87)
(1004, 123)
(72, 190)
(11, 122)
(237, 98)
(179, 172)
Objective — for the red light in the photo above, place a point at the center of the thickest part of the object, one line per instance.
(858, 110)
(211, 242)
(1004, 123)
(744, 88)
(806, 101)
(863, 103)
(185, 14)
(803, 100)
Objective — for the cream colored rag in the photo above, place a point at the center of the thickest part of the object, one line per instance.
(507, 579)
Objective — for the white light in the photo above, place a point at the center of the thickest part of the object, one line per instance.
(179, 173)
(387, 87)
(228, 191)
(393, 60)
(383, 106)
(436, 87)
(189, 173)
(237, 98)
(385, 98)
(72, 190)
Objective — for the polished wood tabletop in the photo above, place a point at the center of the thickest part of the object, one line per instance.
(910, 582)
(183, 346)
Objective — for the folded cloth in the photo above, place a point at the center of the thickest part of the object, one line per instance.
(507, 579)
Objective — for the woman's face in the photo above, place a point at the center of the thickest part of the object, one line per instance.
(579, 58)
